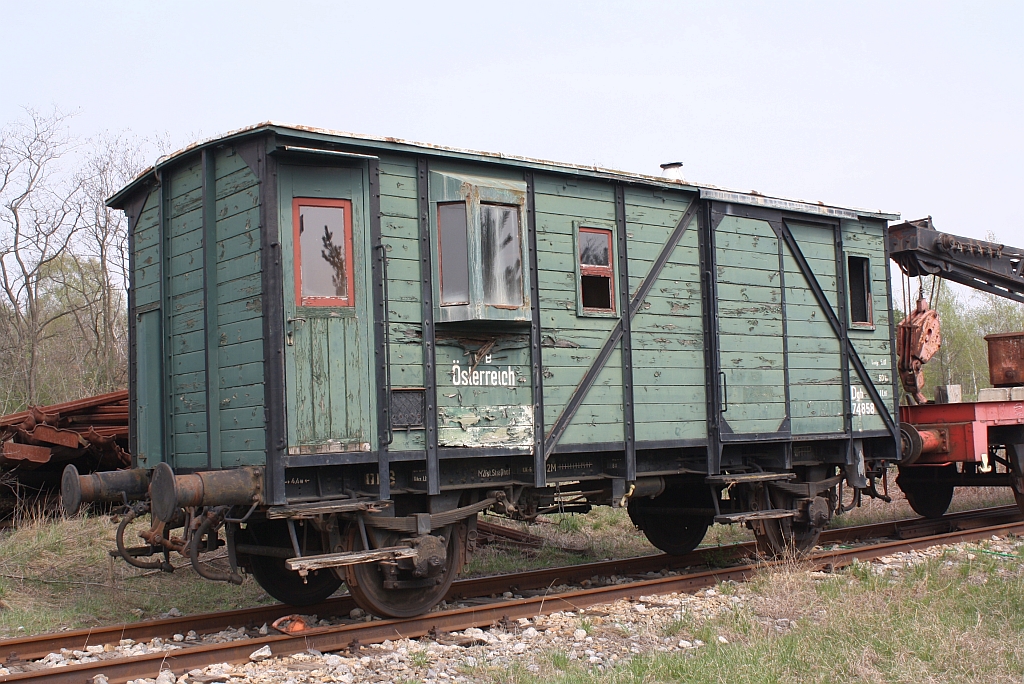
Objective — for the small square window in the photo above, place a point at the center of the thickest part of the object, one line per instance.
(859, 270)
(323, 252)
(597, 271)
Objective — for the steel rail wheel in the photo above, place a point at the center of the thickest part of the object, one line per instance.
(925, 495)
(674, 533)
(287, 586)
(366, 581)
(784, 536)
(1016, 474)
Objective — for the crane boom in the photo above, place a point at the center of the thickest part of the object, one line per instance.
(921, 250)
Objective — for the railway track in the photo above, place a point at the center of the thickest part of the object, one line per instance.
(910, 534)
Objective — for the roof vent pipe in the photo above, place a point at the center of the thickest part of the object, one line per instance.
(673, 170)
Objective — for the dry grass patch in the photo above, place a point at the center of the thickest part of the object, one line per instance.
(56, 574)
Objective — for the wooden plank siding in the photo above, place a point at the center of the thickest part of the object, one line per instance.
(238, 313)
(815, 362)
(570, 343)
(667, 331)
(749, 310)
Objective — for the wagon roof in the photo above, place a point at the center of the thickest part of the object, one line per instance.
(399, 145)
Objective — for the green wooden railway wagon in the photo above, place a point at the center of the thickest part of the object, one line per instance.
(344, 347)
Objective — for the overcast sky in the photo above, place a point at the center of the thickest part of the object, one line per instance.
(907, 107)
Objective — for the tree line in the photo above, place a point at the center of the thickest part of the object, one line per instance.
(966, 317)
(63, 260)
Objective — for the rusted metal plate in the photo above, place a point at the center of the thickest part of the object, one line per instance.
(26, 452)
(76, 406)
(1006, 359)
(56, 436)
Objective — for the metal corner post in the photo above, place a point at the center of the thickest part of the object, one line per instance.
(273, 324)
(166, 350)
(211, 342)
(892, 345)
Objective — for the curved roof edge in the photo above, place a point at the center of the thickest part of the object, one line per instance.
(399, 145)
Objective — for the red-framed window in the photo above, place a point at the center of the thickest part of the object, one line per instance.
(859, 276)
(597, 271)
(323, 252)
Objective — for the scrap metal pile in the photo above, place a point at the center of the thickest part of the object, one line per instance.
(92, 433)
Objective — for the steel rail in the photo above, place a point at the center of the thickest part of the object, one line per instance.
(336, 638)
(29, 648)
(19, 650)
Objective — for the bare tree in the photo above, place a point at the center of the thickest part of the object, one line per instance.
(96, 281)
(41, 210)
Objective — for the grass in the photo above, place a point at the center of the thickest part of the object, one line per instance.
(946, 620)
(56, 574)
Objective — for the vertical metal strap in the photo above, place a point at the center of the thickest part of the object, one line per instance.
(844, 350)
(712, 360)
(133, 354)
(213, 448)
(536, 375)
(380, 317)
(628, 425)
(272, 293)
(166, 349)
(427, 295)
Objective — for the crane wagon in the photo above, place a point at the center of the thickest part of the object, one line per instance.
(344, 348)
(947, 443)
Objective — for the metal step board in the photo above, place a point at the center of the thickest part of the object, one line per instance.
(749, 477)
(751, 516)
(315, 508)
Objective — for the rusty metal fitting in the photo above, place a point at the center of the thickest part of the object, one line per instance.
(115, 485)
(211, 522)
(170, 492)
(647, 487)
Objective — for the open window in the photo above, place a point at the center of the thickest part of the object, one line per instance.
(595, 270)
(858, 271)
(481, 252)
(323, 252)
(597, 274)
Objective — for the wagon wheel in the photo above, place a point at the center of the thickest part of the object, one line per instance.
(927, 497)
(674, 533)
(1014, 452)
(783, 536)
(366, 580)
(283, 584)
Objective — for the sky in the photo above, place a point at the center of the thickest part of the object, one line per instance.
(909, 107)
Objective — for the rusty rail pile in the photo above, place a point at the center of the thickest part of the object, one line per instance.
(915, 533)
(91, 432)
